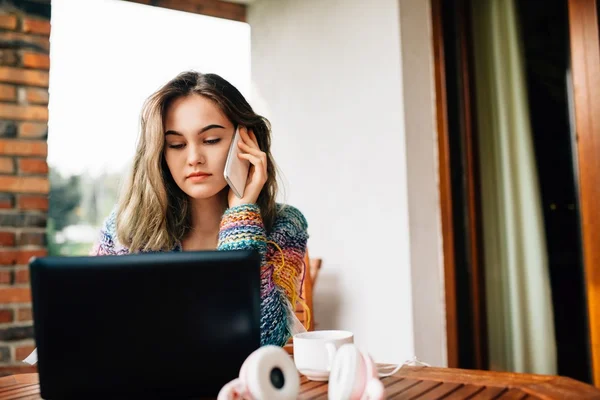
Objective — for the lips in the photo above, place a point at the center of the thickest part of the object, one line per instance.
(197, 177)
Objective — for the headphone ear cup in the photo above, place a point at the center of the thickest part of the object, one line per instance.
(232, 390)
(370, 368)
(374, 390)
(354, 376)
(270, 374)
(237, 388)
(348, 374)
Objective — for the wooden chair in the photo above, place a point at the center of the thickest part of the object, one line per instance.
(312, 267)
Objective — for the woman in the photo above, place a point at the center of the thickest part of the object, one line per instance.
(177, 199)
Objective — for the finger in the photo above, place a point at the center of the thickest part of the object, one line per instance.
(254, 159)
(244, 134)
(249, 138)
(253, 137)
(249, 149)
(258, 162)
(241, 134)
(259, 155)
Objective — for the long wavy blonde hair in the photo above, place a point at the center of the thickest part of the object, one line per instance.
(153, 213)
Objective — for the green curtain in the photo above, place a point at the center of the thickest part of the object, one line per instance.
(519, 308)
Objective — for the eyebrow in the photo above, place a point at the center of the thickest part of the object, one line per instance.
(206, 128)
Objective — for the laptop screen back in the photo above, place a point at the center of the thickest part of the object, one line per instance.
(174, 325)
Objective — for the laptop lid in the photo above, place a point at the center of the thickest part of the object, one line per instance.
(175, 325)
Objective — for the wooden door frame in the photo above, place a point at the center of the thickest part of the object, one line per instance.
(445, 184)
(476, 331)
(585, 67)
(474, 229)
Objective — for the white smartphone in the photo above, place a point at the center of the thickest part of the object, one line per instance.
(236, 170)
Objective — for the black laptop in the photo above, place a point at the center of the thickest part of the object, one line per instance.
(160, 325)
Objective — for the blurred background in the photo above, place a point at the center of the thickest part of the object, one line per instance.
(444, 153)
(99, 80)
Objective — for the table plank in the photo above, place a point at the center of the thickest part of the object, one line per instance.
(465, 392)
(322, 396)
(401, 386)
(420, 383)
(306, 386)
(483, 378)
(489, 393)
(7, 389)
(8, 381)
(22, 391)
(416, 391)
(314, 392)
(440, 391)
(562, 388)
(515, 394)
(32, 397)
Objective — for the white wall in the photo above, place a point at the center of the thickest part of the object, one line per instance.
(328, 74)
(423, 194)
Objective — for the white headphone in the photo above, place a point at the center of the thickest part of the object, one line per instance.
(354, 376)
(270, 374)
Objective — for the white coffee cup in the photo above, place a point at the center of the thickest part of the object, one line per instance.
(314, 352)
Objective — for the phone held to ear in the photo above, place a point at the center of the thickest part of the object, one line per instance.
(236, 170)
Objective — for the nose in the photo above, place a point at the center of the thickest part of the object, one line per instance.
(195, 155)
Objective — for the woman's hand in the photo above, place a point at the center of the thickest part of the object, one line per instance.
(257, 176)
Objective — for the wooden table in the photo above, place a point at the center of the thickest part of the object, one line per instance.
(423, 383)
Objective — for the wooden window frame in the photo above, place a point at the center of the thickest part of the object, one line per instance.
(211, 8)
(585, 67)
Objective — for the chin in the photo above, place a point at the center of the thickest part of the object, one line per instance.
(202, 193)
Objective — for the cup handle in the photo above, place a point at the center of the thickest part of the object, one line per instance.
(331, 350)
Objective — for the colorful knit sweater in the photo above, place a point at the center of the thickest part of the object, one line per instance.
(281, 271)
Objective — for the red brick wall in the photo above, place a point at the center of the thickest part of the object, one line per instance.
(24, 186)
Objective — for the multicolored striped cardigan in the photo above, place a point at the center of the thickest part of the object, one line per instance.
(282, 267)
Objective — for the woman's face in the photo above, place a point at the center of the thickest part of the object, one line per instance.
(197, 139)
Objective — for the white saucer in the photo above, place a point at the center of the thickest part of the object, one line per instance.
(315, 375)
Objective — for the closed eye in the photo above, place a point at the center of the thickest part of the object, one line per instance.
(212, 141)
(176, 146)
